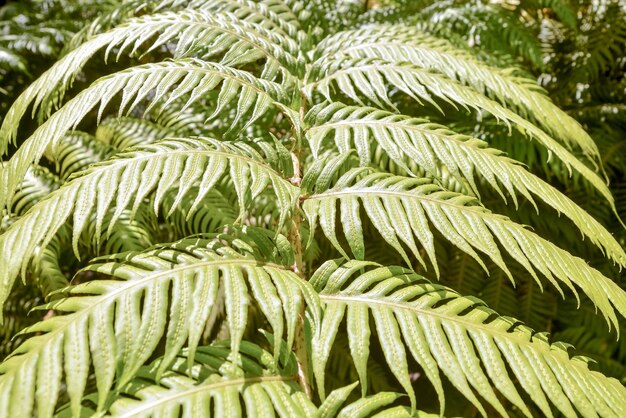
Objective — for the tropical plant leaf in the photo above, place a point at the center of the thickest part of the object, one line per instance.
(430, 145)
(274, 15)
(400, 209)
(213, 212)
(129, 178)
(18, 315)
(37, 184)
(75, 152)
(454, 335)
(422, 84)
(494, 28)
(9, 60)
(179, 182)
(115, 325)
(215, 387)
(193, 29)
(401, 43)
(126, 132)
(193, 77)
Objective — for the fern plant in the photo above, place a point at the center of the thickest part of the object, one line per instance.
(250, 215)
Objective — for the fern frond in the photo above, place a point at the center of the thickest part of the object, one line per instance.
(468, 342)
(491, 26)
(19, 315)
(563, 9)
(126, 132)
(403, 138)
(400, 208)
(378, 405)
(213, 211)
(214, 383)
(75, 152)
(45, 268)
(38, 183)
(271, 14)
(579, 326)
(133, 231)
(189, 121)
(49, 270)
(194, 77)
(42, 43)
(375, 406)
(340, 361)
(393, 11)
(399, 43)
(115, 325)
(349, 77)
(525, 300)
(213, 32)
(606, 122)
(599, 48)
(229, 152)
(330, 16)
(123, 182)
(9, 60)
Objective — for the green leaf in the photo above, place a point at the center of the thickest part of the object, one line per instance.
(403, 139)
(423, 84)
(123, 182)
(476, 349)
(190, 76)
(399, 208)
(366, 406)
(274, 15)
(333, 402)
(214, 384)
(400, 43)
(115, 325)
(190, 30)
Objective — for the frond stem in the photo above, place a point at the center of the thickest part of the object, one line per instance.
(300, 342)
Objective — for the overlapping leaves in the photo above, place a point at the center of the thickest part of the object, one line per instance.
(403, 209)
(404, 139)
(174, 78)
(114, 326)
(124, 182)
(276, 69)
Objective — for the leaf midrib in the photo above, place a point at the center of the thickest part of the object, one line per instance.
(404, 123)
(163, 66)
(358, 191)
(163, 153)
(406, 43)
(382, 64)
(368, 301)
(101, 298)
(206, 387)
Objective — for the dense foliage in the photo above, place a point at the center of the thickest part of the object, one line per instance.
(325, 208)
